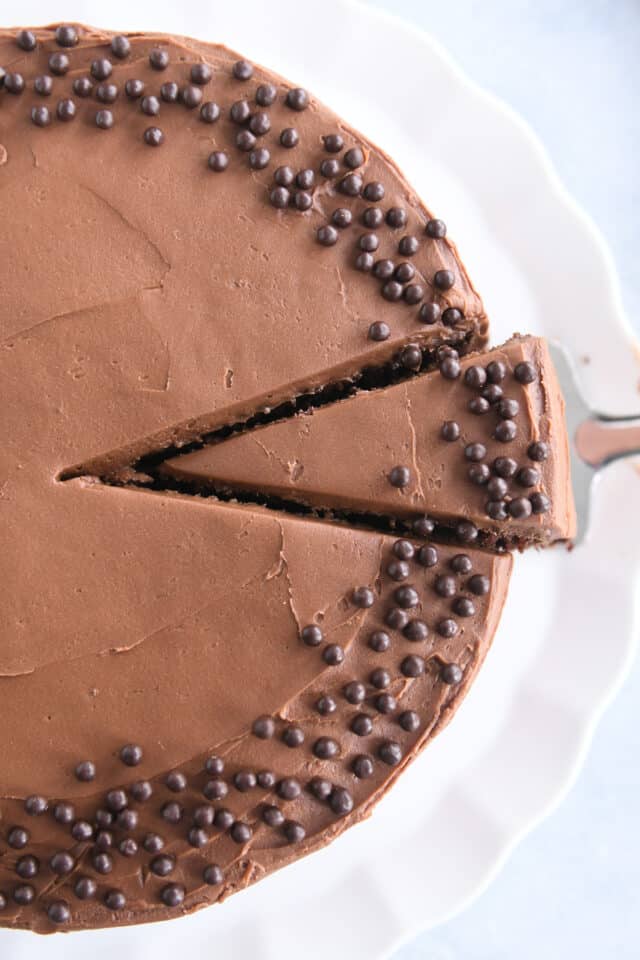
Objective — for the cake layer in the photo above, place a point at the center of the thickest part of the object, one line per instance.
(488, 446)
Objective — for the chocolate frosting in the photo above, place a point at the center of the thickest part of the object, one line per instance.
(167, 658)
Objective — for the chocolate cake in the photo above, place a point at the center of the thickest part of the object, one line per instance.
(257, 479)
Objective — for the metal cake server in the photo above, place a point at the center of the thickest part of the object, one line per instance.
(594, 439)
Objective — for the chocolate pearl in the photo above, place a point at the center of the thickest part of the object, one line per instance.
(159, 59)
(479, 473)
(505, 431)
(492, 393)
(540, 503)
(383, 269)
(153, 137)
(464, 607)
(427, 556)
(127, 820)
(354, 158)
(104, 840)
(508, 408)
(429, 313)
(14, 83)
(363, 597)
(241, 832)
(341, 218)
(128, 847)
(58, 64)
(294, 831)
(411, 356)
(368, 242)
(450, 431)
(505, 467)
(170, 92)
(61, 863)
(479, 406)
(134, 89)
(379, 641)
(329, 169)
(525, 372)
(327, 236)
(66, 36)
(385, 703)
(445, 586)
(412, 666)
(214, 765)
(496, 371)
(201, 73)
(380, 678)
(405, 272)
(390, 752)
(35, 805)
(362, 725)
(24, 894)
(289, 138)
(466, 532)
(355, 692)
(436, 229)
(209, 112)
(450, 368)
(392, 291)
(215, 789)
(141, 790)
(496, 509)
(150, 106)
(198, 837)
(528, 477)
(408, 246)
(212, 875)
(108, 93)
(172, 895)
(400, 477)
(443, 279)
(333, 143)
(172, 812)
(18, 838)
(451, 674)
(103, 819)
(101, 69)
(266, 94)
(297, 99)
(66, 110)
(40, 116)
(406, 597)
(379, 331)
(364, 262)
(475, 376)
(461, 563)
(264, 728)
(58, 912)
(520, 508)
(64, 813)
(244, 780)
(312, 635)
(116, 800)
(325, 748)
(396, 618)
(326, 705)
(120, 47)
(26, 40)
(362, 767)
(423, 526)
(333, 655)
(162, 866)
(259, 159)
(416, 631)
(115, 900)
(320, 788)
(153, 843)
(447, 628)
(396, 217)
(223, 819)
(82, 831)
(351, 185)
(398, 570)
(374, 191)
(293, 737)
(191, 97)
(414, 293)
(279, 198)
(259, 124)
(373, 218)
(409, 720)
(203, 815)
(341, 801)
(27, 867)
(43, 85)
(85, 888)
(289, 788)
(218, 161)
(475, 452)
(284, 176)
(83, 87)
(497, 488)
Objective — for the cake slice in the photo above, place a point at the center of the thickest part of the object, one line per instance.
(480, 440)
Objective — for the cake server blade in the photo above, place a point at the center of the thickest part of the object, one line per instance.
(594, 438)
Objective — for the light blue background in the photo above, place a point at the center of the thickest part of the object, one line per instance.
(572, 69)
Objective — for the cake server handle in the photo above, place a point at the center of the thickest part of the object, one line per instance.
(600, 440)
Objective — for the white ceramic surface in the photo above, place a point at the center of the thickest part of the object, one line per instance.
(566, 635)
